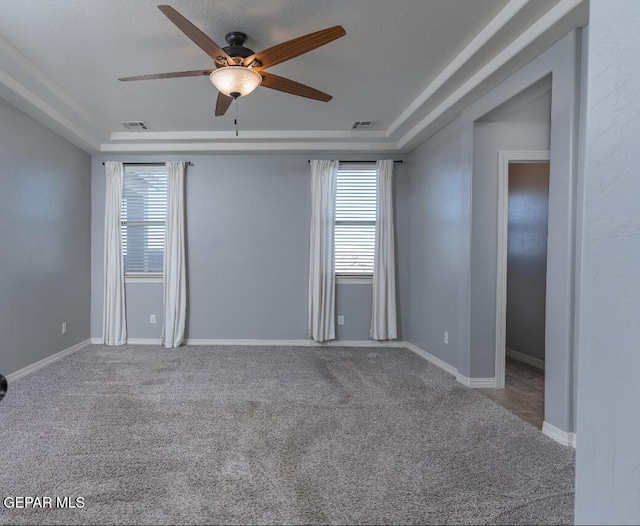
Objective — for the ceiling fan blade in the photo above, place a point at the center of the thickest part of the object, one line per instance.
(222, 104)
(199, 38)
(296, 47)
(269, 80)
(172, 75)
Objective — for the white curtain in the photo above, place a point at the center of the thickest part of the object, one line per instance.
(175, 273)
(383, 311)
(114, 324)
(322, 278)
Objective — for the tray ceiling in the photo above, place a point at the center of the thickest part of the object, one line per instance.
(399, 61)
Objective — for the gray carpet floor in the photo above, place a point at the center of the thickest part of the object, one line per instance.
(271, 435)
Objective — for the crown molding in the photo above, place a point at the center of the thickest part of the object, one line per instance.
(249, 135)
(284, 146)
(55, 108)
(544, 23)
(13, 56)
(498, 22)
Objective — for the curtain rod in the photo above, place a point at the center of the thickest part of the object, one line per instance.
(359, 162)
(188, 163)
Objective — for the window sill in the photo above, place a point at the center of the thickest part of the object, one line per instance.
(143, 278)
(354, 280)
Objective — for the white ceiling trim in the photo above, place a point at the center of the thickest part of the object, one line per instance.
(61, 112)
(554, 15)
(79, 136)
(25, 65)
(500, 20)
(342, 146)
(288, 135)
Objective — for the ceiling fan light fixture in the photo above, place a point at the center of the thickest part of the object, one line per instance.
(235, 81)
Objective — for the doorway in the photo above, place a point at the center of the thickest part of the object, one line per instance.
(523, 211)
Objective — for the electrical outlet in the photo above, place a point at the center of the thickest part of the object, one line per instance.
(446, 337)
(152, 318)
(64, 327)
(340, 320)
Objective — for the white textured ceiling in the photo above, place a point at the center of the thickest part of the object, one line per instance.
(63, 57)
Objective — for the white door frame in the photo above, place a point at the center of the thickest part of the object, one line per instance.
(504, 158)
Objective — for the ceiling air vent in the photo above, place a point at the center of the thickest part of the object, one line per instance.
(363, 125)
(135, 125)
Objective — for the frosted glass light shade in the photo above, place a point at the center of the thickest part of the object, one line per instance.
(235, 81)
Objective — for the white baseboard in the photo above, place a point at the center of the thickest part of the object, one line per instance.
(478, 383)
(131, 341)
(433, 359)
(525, 358)
(267, 343)
(475, 383)
(562, 437)
(297, 343)
(46, 361)
(144, 341)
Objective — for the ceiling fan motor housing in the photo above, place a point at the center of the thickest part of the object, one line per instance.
(236, 40)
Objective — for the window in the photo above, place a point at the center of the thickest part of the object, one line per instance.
(142, 218)
(355, 227)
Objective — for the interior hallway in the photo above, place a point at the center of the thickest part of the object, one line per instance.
(523, 394)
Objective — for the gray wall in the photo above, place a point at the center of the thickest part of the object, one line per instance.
(45, 240)
(437, 217)
(530, 133)
(562, 61)
(443, 228)
(608, 455)
(527, 257)
(247, 252)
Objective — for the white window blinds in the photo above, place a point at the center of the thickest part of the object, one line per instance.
(355, 226)
(143, 214)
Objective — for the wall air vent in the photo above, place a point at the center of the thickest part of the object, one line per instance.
(363, 125)
(135, 126)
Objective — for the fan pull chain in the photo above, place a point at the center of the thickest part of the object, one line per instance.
(236, 119)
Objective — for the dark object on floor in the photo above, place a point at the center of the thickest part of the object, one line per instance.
(3, 386)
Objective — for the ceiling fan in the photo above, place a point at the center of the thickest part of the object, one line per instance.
(239, 70)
